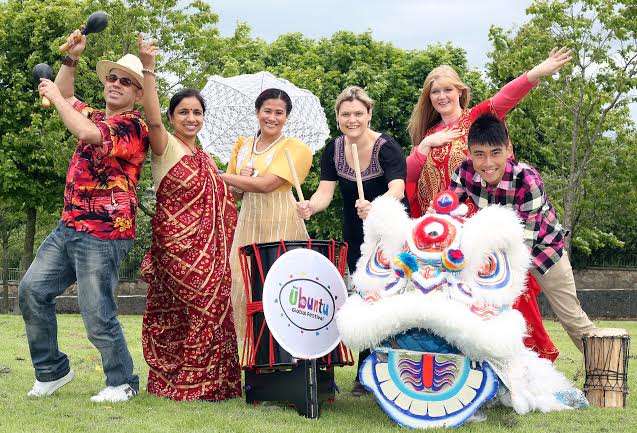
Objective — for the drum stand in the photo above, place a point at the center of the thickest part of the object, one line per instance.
(304, 385)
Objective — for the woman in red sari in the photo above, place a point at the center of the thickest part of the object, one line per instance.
(438, 128)
(188, 331)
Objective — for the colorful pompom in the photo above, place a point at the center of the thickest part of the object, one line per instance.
(453, 260)
(404, 265)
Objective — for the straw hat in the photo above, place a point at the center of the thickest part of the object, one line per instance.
(129, 63)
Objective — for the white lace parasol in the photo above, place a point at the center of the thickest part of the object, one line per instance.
(230, 112)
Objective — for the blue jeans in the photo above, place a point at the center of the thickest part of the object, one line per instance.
(64, 257)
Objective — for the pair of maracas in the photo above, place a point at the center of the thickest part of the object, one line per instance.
(96, 22)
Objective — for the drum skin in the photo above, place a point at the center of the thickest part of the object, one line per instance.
(261, 257)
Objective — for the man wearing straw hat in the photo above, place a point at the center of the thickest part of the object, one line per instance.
(97, 227)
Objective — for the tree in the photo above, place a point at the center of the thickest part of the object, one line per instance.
(35, 148)
(393, 77)
(9, 222)
(577, 127)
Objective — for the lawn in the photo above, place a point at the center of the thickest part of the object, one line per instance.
(71, 411)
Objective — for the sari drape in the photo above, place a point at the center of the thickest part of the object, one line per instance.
(188, 332)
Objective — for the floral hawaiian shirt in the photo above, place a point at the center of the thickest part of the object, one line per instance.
(100, 197)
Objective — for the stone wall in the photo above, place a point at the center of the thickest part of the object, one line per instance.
(604, 293)
(605, 279)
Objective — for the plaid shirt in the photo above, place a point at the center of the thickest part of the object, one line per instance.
(522, 190)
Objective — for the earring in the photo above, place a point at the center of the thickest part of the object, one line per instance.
(369, 124)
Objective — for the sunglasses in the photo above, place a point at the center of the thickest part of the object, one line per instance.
(126, 82)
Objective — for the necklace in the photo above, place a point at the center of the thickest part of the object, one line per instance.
(192, 151)
(261, 152)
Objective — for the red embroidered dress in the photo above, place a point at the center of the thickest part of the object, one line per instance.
(188, 332)
(100, 196)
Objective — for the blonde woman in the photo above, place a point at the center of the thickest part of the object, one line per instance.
(383, 169)
(439, 126)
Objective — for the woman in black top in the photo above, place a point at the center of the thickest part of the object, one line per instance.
(383, 170)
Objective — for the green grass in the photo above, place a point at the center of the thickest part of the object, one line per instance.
(71, 411)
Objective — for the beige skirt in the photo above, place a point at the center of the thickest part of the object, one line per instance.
(264, 217)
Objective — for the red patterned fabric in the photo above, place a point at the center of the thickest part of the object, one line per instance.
(538, 339)
(188, 332)
(101, 182)
(430, 174)
(442, 161)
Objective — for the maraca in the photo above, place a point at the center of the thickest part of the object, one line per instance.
(96, 22)
(42, 70)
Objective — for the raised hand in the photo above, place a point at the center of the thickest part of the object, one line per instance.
(552, 64)
(77, 43)
(147, 52)
(48, 89)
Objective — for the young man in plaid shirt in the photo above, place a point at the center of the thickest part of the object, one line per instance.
(491, 177)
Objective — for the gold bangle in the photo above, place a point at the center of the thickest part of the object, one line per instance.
(144, 71)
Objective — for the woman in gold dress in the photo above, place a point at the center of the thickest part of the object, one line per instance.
(259, 176)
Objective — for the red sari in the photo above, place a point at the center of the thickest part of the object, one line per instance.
(188, 332)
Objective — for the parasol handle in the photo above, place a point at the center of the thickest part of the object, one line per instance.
(357, 170)
(295, 178)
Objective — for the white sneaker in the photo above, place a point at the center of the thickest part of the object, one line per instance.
(42, 389)
(114, 394)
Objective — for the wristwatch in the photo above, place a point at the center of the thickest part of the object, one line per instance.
(71, 63)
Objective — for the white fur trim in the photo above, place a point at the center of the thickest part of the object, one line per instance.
(495, 228)
(363, 325)
(385, 227)
(532, 383)
(386, 224)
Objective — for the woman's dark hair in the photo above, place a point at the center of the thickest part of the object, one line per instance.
(274, 94)
(183, 94)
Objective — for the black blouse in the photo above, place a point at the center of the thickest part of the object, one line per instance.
(387, 164)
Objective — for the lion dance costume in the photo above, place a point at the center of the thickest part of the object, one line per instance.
(433, 300)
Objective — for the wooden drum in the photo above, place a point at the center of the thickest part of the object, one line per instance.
(606, 364)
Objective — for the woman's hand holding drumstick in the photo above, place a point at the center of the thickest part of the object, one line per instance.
(362, 206)
(295, 178)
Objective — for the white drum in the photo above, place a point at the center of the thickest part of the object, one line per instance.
(302, 292)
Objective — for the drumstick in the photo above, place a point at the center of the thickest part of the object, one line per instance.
(295, 178)
(357, 170)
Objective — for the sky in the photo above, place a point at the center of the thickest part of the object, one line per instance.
(408, 24)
